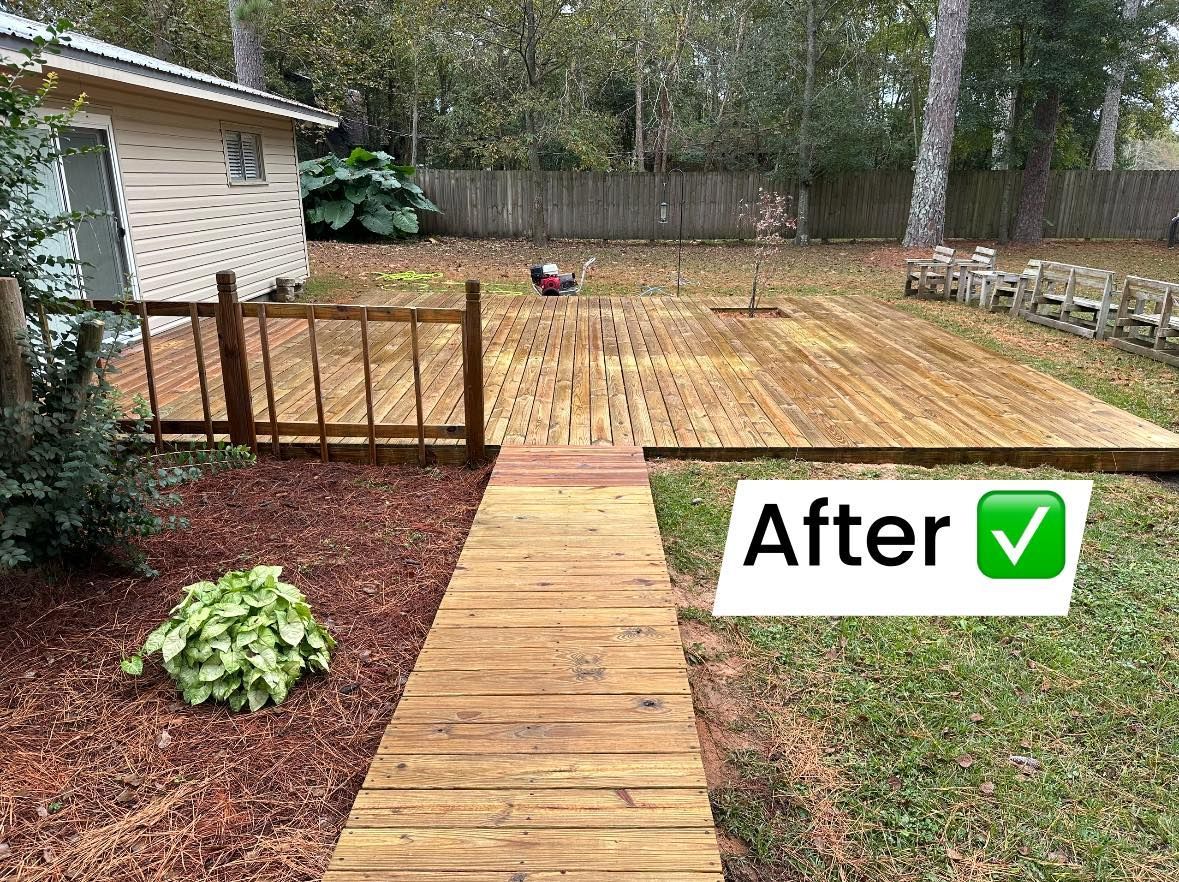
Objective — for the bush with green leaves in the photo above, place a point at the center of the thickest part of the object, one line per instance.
(73, 479)
(29, 149)
(245, 639)
(366, 192)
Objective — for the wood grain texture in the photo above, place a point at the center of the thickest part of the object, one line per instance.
(842, 379)
(547, 729)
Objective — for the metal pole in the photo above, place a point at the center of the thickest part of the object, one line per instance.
(679, 238)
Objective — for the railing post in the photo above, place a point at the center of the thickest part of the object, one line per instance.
(16, 379)
(235, 365)
(473, 372)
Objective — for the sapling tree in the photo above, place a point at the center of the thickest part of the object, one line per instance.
(772, 222)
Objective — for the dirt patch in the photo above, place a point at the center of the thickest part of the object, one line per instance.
(111, 779)
(710, 269)
(756, 746)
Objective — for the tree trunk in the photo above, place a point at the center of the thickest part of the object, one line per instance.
(639, 161)
(802, 234)
(536, 177)
(1105, 149)
(1029, 221)
(414, 115)
(1005, 143)
(663, 133)
(355, 118)
(247, 48)
(927, 211)
(158, 15)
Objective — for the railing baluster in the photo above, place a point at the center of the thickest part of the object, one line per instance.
(368, 386)
(149, 366)
(473, 372)
(264, 340)
(199, 346)
(323, 445)
(417, 383)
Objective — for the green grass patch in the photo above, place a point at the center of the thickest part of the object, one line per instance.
(920, 717)
(327, 288)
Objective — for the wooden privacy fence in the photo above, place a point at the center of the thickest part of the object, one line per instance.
(242, 425)
(864, 205)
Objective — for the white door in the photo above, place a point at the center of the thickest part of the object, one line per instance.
(101, 242)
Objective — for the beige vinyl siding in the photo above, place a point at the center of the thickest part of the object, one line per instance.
(186, 220)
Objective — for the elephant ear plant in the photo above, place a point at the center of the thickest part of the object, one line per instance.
(245, 639)
(367, 190)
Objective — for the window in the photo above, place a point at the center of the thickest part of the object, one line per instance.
(243, 156)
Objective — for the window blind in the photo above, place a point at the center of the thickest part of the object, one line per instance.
(243, 153)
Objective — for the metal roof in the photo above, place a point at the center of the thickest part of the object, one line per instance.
(83, 48)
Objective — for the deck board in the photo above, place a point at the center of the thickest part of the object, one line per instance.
(547, 726)
(831, 378)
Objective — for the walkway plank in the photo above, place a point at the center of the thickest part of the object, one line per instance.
(546, 731)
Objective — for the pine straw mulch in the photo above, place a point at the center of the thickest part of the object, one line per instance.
(104, 777)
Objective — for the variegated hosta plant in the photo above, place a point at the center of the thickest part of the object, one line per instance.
(245, 639)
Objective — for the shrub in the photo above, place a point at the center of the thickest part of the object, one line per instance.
(72, 480)
(366, 191)
(28, 146)
(246, 638)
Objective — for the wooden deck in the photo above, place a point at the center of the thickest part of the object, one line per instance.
(827, 378)
(546, 732)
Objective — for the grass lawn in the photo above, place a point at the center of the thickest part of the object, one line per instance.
(880, 749)
(1144, 387)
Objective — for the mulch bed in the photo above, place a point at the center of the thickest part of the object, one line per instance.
(105, 777)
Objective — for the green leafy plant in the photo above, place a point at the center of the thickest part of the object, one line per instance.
(366, 191)
(74, 478)
(30, 147)
(245, 639)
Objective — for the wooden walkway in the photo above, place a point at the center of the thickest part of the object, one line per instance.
(546, 732)
(826, 378)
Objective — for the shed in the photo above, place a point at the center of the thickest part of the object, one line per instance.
(198, 174)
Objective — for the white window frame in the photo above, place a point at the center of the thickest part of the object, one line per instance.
(227, 127)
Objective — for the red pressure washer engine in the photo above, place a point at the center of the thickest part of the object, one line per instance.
(550, 280)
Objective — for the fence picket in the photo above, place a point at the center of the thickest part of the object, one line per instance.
(1082, 203)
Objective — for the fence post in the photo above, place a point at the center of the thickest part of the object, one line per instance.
(235, 365)
(16, 379)
(473, 372)
(89, 348)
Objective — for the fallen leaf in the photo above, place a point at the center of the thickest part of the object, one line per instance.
(42, 811)
(965, 761)
(976, 718)
(955, 855)
(1027, 764)
(126, 796)
(164, 740)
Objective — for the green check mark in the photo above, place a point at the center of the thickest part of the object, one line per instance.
(1021, 534)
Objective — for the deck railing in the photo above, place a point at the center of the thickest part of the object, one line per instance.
(242, 424)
